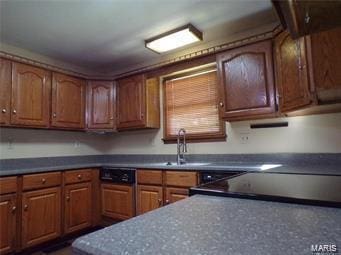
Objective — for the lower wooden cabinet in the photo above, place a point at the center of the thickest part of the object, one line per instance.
(78, 206)
(175, 194)
(41, 216)
(117, 201)
(148, 198)
(168, 187)
(8, 214)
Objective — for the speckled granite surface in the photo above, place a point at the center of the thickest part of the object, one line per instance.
(291, 163)
(217, 225)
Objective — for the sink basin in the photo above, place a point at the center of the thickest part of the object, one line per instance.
(186, 164)
(196, 164)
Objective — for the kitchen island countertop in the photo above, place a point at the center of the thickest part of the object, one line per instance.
(219, 225)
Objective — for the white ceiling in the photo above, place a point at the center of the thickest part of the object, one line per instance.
(110, 33)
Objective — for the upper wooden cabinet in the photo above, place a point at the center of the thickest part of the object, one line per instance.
(308, 16)
(31, 89)
(325, 50)
(138, 103)
(101, 105)
(68, 102)
(246, 81)
(5, 91)
(292, 79)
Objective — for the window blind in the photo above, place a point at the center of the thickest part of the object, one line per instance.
(191, 102)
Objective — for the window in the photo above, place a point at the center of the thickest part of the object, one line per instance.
(191, 102)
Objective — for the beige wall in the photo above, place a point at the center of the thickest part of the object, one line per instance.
(309, 134)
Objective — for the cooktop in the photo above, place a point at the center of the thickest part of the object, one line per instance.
(324, 190)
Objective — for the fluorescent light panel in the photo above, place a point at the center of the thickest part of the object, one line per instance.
(174, 39)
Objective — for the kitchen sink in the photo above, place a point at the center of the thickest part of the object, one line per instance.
(186, 164)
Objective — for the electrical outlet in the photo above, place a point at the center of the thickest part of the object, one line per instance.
(244, 138)
(77, 144)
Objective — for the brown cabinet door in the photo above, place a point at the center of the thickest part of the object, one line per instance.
(117, 201)
(148, 198)
(31, 90)
(7, 223)
(5, 91)
(78, 206)
(175, 194)
(181, 178)
(246, 81)
(325, 48)
(41, 216)
(131, 102)
(100, 105)
(292, 73)
(308, 16)
(68, 101)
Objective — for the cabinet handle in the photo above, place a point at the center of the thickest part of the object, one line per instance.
(221, 104)
(14, 112)
(167, 201)
(160, 201)
(79, 177)
(67, 198)
(25, 207)
(54, 115)
(43, 181)
(3, 111)
(14, 208)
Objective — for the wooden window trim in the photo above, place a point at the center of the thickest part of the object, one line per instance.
(190, 138)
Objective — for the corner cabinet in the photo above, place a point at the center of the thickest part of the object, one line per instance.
(292, 77)
(31, 88)
(5, 91)
(138, 103)
(8, 214)
(68, 102)
(101, 108)
(246, 85)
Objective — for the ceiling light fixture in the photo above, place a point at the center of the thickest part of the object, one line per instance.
(174, 39)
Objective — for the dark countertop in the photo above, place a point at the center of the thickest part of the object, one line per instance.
(229, 166)
(329, 164)
(219, 225)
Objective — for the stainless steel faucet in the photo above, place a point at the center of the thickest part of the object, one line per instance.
(181, 147)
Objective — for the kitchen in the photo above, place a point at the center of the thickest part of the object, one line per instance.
(115, 141)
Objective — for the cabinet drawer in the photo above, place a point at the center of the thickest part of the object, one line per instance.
(77, 176)
(8, 185)
(181, 179)
(37, 181)
(149, 177)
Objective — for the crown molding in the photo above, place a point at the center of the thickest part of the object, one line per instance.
(193, 55)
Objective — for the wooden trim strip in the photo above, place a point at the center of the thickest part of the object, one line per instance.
(189, 56)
